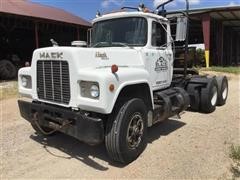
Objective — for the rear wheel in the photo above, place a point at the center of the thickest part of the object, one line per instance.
(209, 96)
(222, 90)
(194, 97)
(126, 133)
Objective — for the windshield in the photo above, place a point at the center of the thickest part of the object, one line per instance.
(131, 31)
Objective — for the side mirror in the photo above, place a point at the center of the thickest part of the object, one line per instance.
(181, 30)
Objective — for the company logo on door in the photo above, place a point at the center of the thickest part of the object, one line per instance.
(161, 65)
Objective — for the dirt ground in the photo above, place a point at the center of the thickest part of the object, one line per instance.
(197, 146)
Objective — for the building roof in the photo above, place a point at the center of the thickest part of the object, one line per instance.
(230, 15)
(30, 9)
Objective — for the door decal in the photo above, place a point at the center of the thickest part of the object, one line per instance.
(161, 65)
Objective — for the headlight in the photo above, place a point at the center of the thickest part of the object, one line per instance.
(94, 91)
(89, 89)
(26, 81)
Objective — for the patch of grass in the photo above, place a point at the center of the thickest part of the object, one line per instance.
(230, 69)
(235, 156)
(8, 90)
(235, 153)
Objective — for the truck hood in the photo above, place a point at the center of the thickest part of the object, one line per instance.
(91, 57)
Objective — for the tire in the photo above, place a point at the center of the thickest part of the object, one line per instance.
(185, 96)
(209, 96)
(194, 97)
(222, 90)
(46, 129)
(7, 70)
(122, 144)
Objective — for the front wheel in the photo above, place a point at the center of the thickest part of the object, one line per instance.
(126, 132)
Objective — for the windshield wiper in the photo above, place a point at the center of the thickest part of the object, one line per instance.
(107, 44)
(122, 44)
(99, 43)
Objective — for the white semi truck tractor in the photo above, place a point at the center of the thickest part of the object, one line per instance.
(113, 90)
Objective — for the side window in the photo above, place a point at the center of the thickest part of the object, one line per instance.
(159, 35)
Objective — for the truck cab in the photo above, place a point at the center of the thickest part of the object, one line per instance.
(113, 90)
(146, 33)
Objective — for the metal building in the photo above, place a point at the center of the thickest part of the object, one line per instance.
(219, 29)
(25, 26)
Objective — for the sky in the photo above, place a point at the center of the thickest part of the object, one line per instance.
(87, 8)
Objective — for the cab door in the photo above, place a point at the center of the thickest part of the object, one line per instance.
(160, 54)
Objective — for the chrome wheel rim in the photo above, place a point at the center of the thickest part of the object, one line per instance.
(214, 97)
(135, 131)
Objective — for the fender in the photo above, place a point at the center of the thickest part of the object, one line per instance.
(131, 76)
(125, 76)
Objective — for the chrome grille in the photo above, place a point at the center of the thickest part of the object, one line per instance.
(53, 83)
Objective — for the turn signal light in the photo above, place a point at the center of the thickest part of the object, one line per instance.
(111, 87)
(114, 68)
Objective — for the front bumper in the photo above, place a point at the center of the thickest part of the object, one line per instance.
(87, 129)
